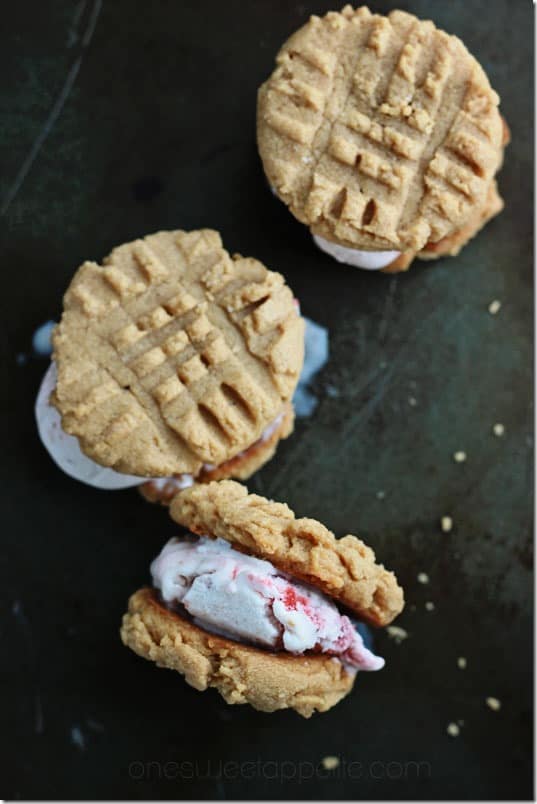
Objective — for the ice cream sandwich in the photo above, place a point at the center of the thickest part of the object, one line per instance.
(173, 362)
(383, 135)
(260, 605)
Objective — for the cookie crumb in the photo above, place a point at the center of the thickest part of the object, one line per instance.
(446, 523)
(423, 577)
(412, 401)
(453, 730)
(494, 704)
(430, 605)
(381, 495)
(461, 663)
(459, 457)
(494, 307)
(397, 634)
(498, 430)
(330, 763)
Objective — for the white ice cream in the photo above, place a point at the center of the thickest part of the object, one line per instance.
(369, 260)
(245, 598)
(64, 449)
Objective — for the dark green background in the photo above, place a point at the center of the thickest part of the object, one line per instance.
(157, 132)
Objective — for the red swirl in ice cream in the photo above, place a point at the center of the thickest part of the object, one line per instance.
(246, 598)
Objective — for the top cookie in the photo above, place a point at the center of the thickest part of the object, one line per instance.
(345, 569)
(378, 132)
(172, 354)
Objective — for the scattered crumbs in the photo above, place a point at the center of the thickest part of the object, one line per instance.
(383, 364)
(77, 738)
(412, 401)
(498, 430)
(459, 457)
(446, 523)
(42, 339)
(381, 495)
(330, 763)
(429, 605)
(461, 663)
(423, 577)
(396, 633)
(494, 307)
(453, 730)
(494, 704)
(21, 359)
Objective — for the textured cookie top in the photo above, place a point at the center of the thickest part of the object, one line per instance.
(378, 132)
(172, 354)
(345, 569)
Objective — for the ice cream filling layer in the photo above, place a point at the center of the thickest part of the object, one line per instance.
(370, 260)
(65, 451)
(248, 599)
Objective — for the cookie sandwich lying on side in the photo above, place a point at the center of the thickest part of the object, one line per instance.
(252, 602)
(383, 135)
(173, 362)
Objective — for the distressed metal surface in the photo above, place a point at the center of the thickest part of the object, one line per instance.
(118, 122)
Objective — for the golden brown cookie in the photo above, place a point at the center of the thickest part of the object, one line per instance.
(173, 354)
(344, 569)
(241, 674)
(241, 466)
(379, 133)
(453, 243)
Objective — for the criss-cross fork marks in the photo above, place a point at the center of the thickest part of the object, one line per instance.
(191, 345)
(391, 130)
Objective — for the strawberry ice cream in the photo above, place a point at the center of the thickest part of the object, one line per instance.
(246, 598)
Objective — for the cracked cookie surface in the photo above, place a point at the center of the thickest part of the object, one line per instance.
(345, 569)
(242, 674)
(242, 466)
(378, 132)
(172, 354)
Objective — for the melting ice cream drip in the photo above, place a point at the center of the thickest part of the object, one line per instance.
(315, 357)
(42, 339)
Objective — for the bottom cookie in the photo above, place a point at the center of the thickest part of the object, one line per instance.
(242, 674)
